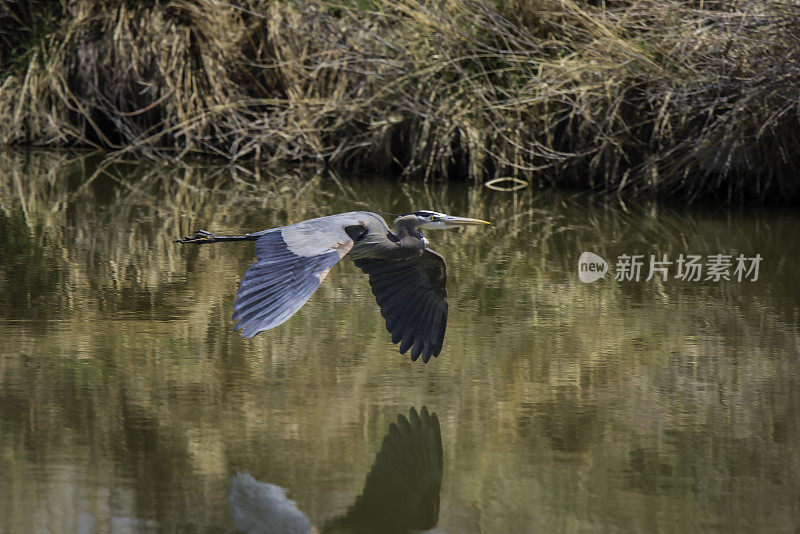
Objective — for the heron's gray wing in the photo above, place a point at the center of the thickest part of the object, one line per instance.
(402, 489)
(263, 508)
(292, 261)
(413, 300)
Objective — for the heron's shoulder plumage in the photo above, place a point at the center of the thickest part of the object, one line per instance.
(316, 236)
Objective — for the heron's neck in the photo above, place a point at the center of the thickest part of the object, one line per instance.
(408, 233)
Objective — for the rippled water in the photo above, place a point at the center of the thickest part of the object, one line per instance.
(127, 402)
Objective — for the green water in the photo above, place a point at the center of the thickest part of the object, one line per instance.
(127, 402)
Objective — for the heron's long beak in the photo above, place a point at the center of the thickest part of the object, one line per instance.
(463, 221)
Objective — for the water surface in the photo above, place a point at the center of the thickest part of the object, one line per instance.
(127, 402)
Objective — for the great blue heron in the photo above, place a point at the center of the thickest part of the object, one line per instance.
(407, 278)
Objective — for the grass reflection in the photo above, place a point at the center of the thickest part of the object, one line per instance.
(126, 396)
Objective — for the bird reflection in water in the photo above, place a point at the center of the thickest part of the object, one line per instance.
(401, 493)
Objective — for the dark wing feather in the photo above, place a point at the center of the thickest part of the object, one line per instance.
(281, 281)
(401, 493)
(413, 300)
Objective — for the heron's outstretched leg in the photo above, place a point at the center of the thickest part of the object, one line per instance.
(201, 237)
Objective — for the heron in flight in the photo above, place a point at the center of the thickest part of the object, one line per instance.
(407, 278)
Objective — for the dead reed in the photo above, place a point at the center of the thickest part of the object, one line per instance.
(643, 98)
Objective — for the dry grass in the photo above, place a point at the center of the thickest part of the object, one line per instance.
(629, 98)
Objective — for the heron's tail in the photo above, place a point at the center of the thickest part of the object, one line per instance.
(201, 237)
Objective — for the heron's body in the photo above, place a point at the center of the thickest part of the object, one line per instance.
(407, 278)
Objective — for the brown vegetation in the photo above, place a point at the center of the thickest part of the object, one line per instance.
(647, 97)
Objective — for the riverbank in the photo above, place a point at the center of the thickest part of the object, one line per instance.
(628, 98)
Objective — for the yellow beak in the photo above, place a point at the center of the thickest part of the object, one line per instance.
(464, 221)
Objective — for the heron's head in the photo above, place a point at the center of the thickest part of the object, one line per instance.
(433, 220)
